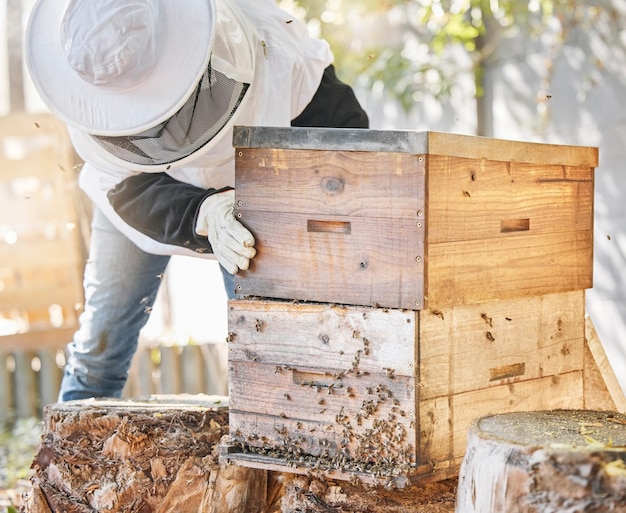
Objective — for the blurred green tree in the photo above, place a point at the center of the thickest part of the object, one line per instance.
(406, 49)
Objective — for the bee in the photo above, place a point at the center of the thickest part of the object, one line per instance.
(438, 313)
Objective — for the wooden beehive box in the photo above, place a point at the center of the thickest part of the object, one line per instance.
(412, 219)
(431, 279)
(387, 393)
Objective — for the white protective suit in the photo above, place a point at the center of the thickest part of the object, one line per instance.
(288, 68)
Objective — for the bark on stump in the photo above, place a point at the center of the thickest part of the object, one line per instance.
(566, 461)
(316, 495)
(155, 455)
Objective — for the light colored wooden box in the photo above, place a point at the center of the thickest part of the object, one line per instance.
(388, 394)
(412, 219)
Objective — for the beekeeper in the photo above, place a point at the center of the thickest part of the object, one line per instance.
(150, 91)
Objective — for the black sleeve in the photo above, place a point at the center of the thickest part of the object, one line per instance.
(162, 208)
(334, 105)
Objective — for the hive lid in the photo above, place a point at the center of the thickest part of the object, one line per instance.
(413, 142)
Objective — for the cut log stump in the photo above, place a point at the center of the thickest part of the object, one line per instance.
(154, 455)
(569, 461)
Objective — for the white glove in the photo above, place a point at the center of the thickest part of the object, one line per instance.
(233, 245)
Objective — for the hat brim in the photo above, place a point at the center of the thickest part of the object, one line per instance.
(184, 48)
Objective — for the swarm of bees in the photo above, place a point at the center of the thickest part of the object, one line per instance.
(370, 439)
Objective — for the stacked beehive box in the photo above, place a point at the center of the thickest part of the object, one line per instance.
(405, 284)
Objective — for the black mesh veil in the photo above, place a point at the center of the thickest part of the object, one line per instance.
(207, 110)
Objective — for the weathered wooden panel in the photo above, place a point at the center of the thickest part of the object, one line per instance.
(371, 265)
(322, 336)
(474, 199)
(602, 389)
(467, 146)
(359, 184)
(348, 228)
(472, 271)
(318, 380)
(325, 382)
(474, 347)
(348, 426)
(444, 421)
(346, 388)
(499, 229)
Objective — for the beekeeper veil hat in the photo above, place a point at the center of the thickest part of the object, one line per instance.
(145, 83)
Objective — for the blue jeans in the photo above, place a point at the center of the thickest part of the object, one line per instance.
(120, 284)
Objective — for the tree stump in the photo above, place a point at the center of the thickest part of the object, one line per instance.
(156, 455)
(566, 461)
(317, 495)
